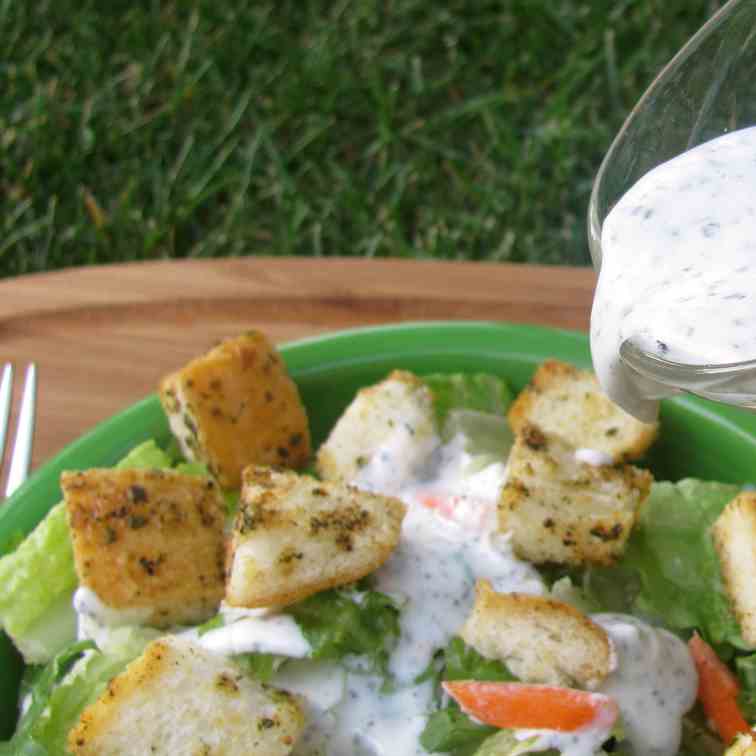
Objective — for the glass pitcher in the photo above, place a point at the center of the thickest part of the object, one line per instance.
(708, 89)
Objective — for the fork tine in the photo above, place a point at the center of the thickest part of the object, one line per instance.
(5, 404)
(21, 457)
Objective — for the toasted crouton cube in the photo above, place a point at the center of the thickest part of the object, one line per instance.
(734, 535)
(148, 542)
(559, 509)
(541, 640)
(383, 437)
(295, 536)
(178, 698)
(237, 406)
(744, 745)
(565, 401)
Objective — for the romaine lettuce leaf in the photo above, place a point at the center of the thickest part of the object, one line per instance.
(59, 691)
(337, 623)
(198, 468)
(212, 624)
(80, 687)
(504, 743)
(745, 667)
(486, 438)
(463, 662)
(566, 591)
(39, 684)
(58, 694)
(147, 455)
(670, 571)
(479, 392)
(697, 737)
(473, 407)
(260, 666)
(36, 578)
(449, 730)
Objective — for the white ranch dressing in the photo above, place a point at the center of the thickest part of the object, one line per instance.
(443, 550)
(678, 269)
(654, 683)
(267, 634)
(593, 457)
(87, 603)
(431, 574)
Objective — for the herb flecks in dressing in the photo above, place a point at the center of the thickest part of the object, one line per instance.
(678, 269)
(654, 683)
(448, 541)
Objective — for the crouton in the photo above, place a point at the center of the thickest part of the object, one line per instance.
(561, 510)
(385, 435)
(540, 640)
(744, 745)
(237, 406)
(295, 536)
(734, 535)
(568, 402)
(150, 540)
(178, 698)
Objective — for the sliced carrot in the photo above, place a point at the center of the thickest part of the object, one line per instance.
(443, 505)
(431, 502)
(718, 690)
(519, 705)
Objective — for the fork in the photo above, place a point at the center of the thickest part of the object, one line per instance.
(21, 454)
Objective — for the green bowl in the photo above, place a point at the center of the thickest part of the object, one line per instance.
(697, 438)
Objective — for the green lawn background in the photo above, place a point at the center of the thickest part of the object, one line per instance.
(412, 128)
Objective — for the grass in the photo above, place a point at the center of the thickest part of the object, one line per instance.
(463, 130)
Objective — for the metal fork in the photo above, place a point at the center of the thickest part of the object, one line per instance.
(21, 454)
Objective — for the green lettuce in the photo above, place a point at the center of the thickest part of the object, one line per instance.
(449, 730)
(59, 692)
(479, 392)
(198, 468)
(670, 571)
(146, 456)
(37, 687)
(212, 624)
(697, 737)
(337, 623)
(260, 666)
(504, 743)
(38, 580)
(745, 666)
(463, 662)
(473, 406)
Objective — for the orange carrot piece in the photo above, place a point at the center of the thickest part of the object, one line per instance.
(718, 690)
(519, 705)
(431, 502)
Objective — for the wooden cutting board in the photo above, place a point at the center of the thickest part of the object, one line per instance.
(103, 336)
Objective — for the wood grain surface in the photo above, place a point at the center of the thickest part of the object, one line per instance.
(103, 336)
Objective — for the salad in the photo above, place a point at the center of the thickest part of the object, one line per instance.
(455, 570)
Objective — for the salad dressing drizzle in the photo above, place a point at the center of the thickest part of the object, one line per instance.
(678, 269)
(449, 540)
